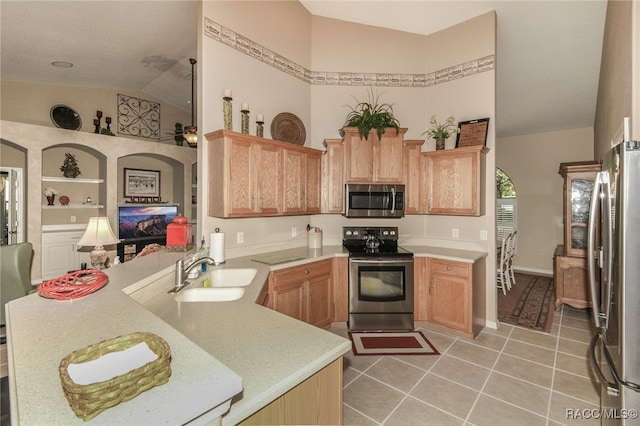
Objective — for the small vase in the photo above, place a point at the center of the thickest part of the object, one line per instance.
(50, 199)
(440, 144)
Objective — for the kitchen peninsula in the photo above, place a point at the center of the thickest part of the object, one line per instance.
(215, 348)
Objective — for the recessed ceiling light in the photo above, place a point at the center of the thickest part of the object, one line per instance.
(62, 64)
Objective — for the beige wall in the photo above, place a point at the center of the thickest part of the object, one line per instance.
(27, 102)
(616, 75)
(532, 162)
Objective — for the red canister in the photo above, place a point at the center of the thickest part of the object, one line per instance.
(179, 234)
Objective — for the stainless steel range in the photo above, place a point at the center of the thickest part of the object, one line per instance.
(380, 279)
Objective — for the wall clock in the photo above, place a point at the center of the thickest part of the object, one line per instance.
(65, 117)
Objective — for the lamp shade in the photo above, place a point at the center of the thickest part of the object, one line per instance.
(98, 233)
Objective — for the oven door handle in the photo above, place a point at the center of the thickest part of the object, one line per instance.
(378, 261)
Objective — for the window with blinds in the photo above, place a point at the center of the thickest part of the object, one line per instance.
(505, 217)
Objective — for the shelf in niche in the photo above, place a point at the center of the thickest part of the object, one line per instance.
(73, 206)
(73, 180)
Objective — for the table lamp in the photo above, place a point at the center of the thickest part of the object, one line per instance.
(97, 235)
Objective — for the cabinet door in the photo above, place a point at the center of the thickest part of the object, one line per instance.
(420, 288)
(450, 294)
(333, 177)
(240, 182)
(359, 156)
(313, 177)
(571, 282)
(389, 155)
(453, 181)
(60, 253)
(319, 301)
(413, 177)
(268, 179)
(290, 300)
(293, 181)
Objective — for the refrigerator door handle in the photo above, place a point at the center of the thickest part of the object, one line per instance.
(601, 193)
(612, 387)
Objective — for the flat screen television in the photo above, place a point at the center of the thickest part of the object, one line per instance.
(145, 220)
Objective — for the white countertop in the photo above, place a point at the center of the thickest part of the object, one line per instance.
(210, 342)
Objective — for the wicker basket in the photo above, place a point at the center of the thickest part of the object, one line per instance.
(87, 401)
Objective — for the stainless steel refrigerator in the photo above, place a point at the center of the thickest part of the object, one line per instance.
(614, 272)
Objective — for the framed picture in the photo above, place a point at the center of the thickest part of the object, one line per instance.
(141, 183)
(472, 132)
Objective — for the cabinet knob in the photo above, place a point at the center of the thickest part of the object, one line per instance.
(306, 272)
(448, 268)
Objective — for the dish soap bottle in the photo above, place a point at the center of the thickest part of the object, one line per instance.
(202, 253)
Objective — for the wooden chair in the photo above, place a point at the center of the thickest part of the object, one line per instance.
(511, 252)
(502, 271)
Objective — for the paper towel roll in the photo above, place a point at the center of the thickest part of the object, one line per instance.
(216, 248)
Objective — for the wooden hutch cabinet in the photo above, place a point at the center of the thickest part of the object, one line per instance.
(571, 276)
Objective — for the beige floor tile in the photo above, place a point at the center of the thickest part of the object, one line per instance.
(352, 417)
(576, 386)
(503, 329)
(413, 412)
(349, 375)
(574, 364)
(360, 362)
(529, 352)
(576, 334)
(372, 398)
(517, 392)
(528, 371)
(570, 312)
(473, 353)
(571, 411)
(439, 340)
(573, 347)
(462, 372)
(581, 323)
(534, 338)
(423, 362)
(445, 395)
(489, 411)
(395, 373)
(555, 329)
(490, 341)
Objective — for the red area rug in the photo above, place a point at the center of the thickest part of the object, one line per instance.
(529, 303)
(391, 343)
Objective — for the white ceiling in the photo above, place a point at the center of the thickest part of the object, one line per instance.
(548, 54)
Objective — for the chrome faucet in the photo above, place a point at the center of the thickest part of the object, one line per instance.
(182, 272)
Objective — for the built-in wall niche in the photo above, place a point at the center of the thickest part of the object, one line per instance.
(76, 199)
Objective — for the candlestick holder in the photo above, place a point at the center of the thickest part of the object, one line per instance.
(108, 120)
(244, 119)
(260, 129)
(226, 112)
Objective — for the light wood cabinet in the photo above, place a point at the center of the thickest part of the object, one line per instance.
(454, 181)
(456, 295)
(378, 160)
(316, 401)
(304, 292)
(333, 176)
(571, 280)
(251, 176)
(413, 177)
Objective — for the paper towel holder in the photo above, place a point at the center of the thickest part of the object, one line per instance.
(216, 262)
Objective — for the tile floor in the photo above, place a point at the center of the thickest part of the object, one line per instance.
(509, 376)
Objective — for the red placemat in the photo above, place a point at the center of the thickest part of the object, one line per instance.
(73, 285)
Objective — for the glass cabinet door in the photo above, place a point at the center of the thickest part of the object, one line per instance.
(580, 201)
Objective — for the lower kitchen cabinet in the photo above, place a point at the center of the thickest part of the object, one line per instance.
(304, 292)
(571, 280)
(60, 253)
(316, 401)
(451, 294)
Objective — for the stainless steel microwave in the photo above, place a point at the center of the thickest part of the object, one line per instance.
(374, 200)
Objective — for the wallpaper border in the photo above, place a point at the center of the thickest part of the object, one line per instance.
(255, 50)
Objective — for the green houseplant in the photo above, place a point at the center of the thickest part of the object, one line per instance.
(441, 131)
(371, 115)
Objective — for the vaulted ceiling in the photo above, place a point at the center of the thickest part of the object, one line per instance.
(547, 62)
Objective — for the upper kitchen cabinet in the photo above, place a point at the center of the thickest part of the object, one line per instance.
(252, 176)
(333, 176)
(377, 160)
(454, 181)
(413, 177)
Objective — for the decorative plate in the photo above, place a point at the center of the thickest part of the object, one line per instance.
(65, 117)
(64, 200)
(287, 127)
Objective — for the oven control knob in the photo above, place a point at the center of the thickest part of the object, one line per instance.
(385, 233)
(355, 233)
(347, 233)
(392, 232)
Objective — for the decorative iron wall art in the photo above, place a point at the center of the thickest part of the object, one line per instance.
(138, 117)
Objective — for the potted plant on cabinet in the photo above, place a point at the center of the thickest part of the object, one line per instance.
(366, 116)
(441, 131)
